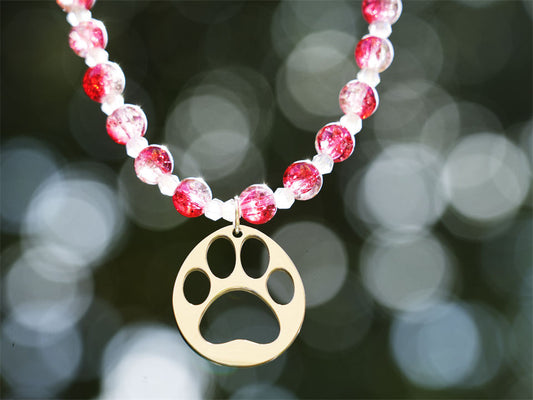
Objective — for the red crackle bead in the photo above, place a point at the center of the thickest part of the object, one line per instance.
(152, 163)
(381, 10)
(126, 122)
(358, 98)
(191, 197)
(303, 179)
(257, 204)
(70, 5)
(87, 35)
(335, 141)
(105, 79)
(374, 53)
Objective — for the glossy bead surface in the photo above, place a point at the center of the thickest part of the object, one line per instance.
(335, 141)
(358, 98)
(228, 210)
(374, 53)
(284, 198)
(381, 10)
(69, 5)
(303, 179)
(103, 80)
(352, 122)
(257, 204)
(380, 29)
(323, 163)
(191, 197)
(87, 35)
(168, 184)
(126, 122)
(135, 146)
(213, 209)
(152, 163)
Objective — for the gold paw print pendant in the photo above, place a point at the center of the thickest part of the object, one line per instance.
(239, 352)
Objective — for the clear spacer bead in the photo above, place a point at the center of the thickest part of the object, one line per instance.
(380, 29)
(323, 163)
(78, 15)
(284, 198)
(228, 210)
(213, 209)
(369, 76)
(111, 103)
(96, 55)
(135, 146)
(352, 122)
(167, 184)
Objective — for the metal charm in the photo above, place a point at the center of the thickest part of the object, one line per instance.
(239, 352)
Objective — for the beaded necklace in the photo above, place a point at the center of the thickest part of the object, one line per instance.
(104, 82)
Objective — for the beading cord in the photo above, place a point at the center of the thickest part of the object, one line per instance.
(126, 124)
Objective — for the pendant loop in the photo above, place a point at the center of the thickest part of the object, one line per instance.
(236, 220)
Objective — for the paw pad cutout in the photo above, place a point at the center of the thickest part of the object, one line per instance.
(288, 306)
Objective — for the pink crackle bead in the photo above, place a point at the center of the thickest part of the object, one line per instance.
(87, 35)
(303, 179)
(358, 98)
(152, 163)
(191, 197)
(70, 5)
(257, 204)
(105, 79)
(374, 53)
(335, 141)
(125, 123)
(382, 10)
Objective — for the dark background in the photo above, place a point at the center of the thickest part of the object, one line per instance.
(416, 255)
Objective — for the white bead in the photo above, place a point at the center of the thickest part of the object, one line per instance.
(135, 145)
(78, 15)
(96, 55)
(369, 76)
(380, 29)
(213, 209)
(111, 103)
(352, 122)
(284, 198)
(228, 210)
(323, 163)
(167, 184)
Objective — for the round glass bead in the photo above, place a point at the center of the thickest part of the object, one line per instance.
(69, 5)
(374, 53)
(303, 179)
(381, 10)
(335, 141)
(358, 98)
(103, 80)
(152, 163)
(126, 122)
(191, 197)
(257, 204)
(87, 35)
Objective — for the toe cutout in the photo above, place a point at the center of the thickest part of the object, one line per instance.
(280, 287)
(254, 258)
(196, 287)
(221, 258)
(239, 315)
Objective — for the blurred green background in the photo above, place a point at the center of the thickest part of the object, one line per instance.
(416, 255)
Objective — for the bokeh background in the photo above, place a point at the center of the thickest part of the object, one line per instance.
(416, 256)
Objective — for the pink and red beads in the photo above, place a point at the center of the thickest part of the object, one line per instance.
(303, 179)
(72, 5)
(102, 80)
(358, 98)
(152, 163)
(257, 204)
(125, 123)
(335, 141)
(87, 35)
(374, 53)
(191, 197)
(382, 10)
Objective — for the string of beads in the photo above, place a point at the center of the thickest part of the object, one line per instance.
(104, 82)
